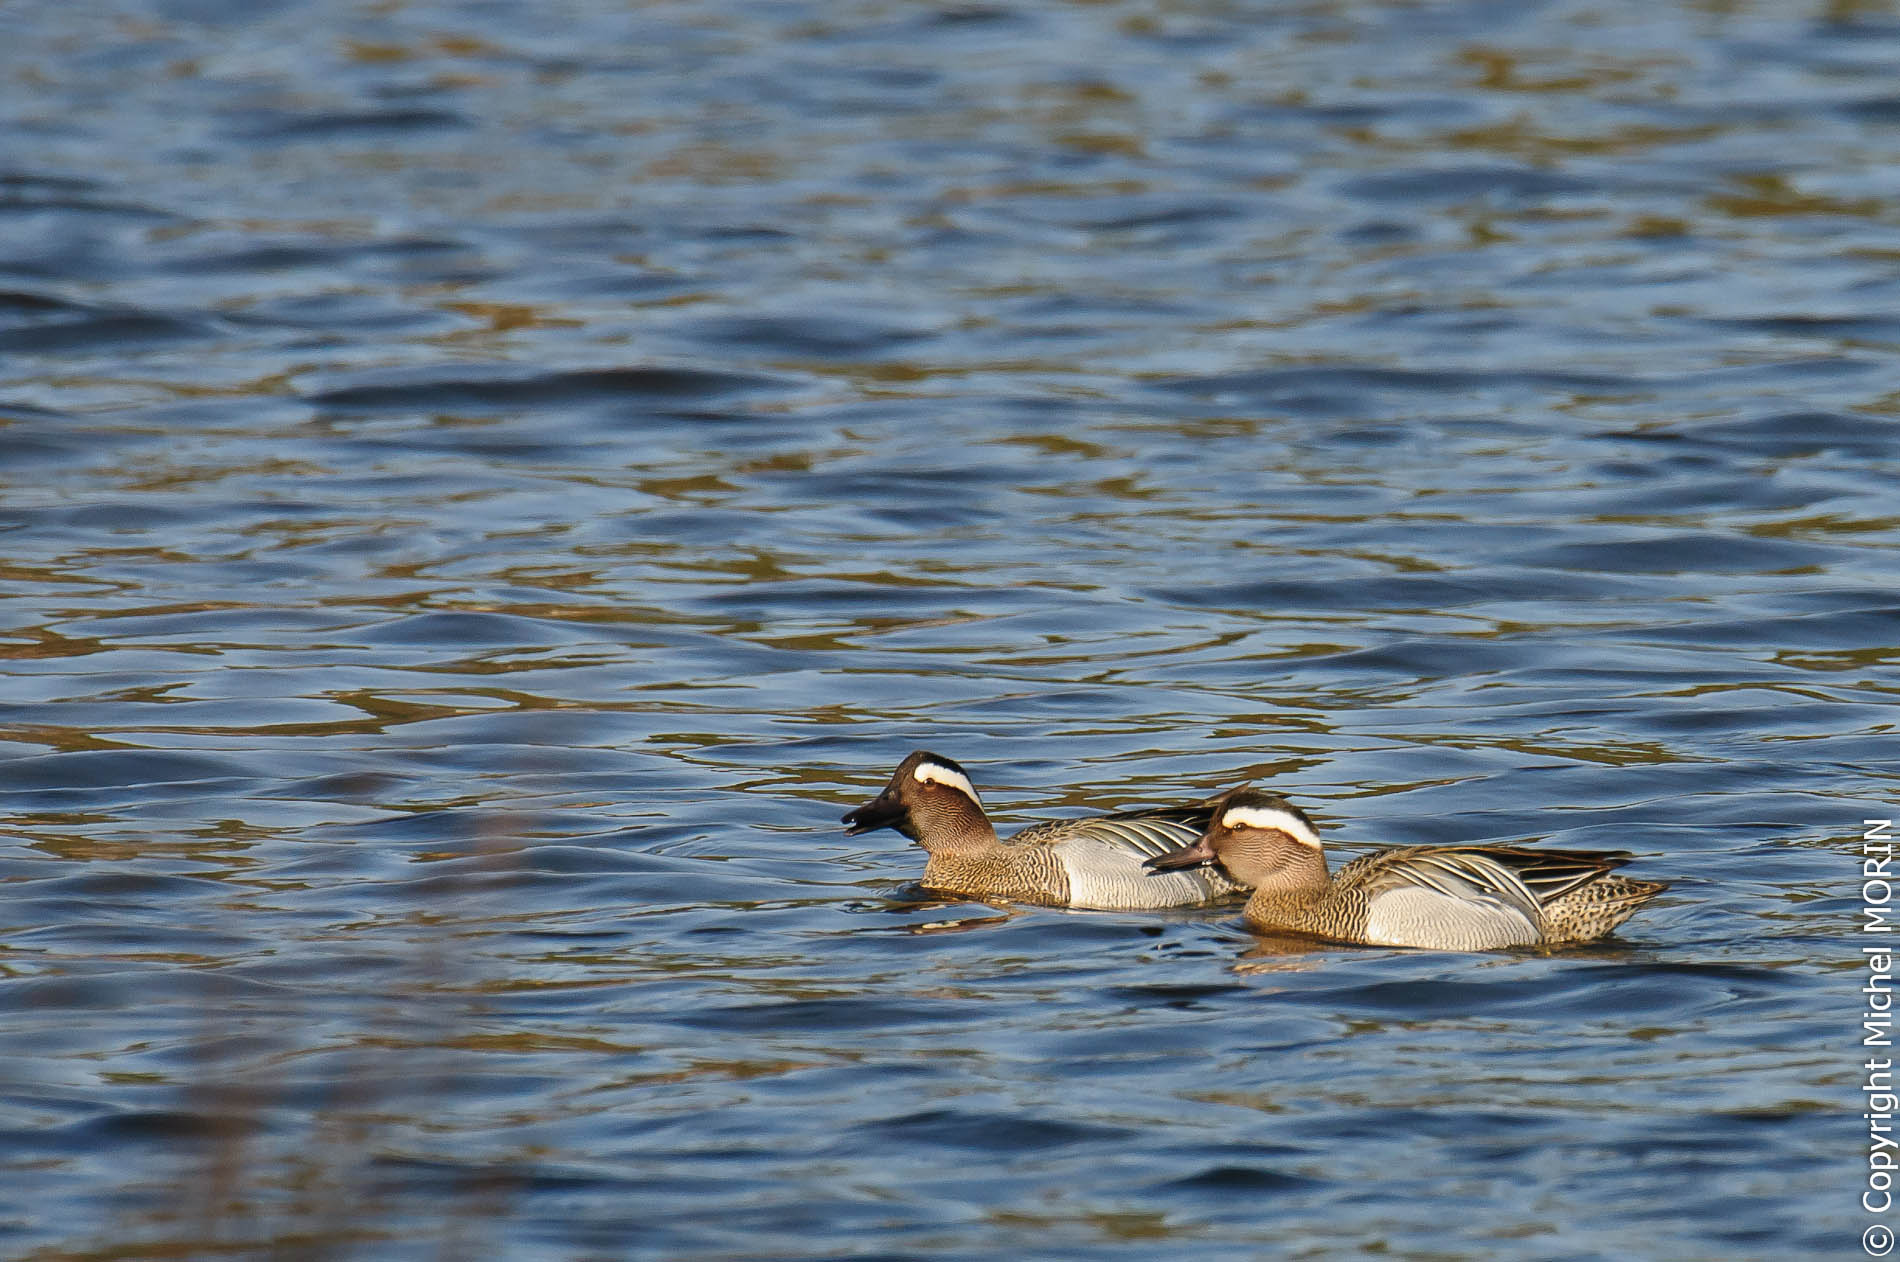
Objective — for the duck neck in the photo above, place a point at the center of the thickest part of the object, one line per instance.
(953, 828)
(1297, 884)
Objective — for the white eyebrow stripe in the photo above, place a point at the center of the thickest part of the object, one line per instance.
(937, 773)
(1271, 817)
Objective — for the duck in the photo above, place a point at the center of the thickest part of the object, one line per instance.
(1448, 898)
(1094, 863)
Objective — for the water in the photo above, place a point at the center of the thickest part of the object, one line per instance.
(486, 487)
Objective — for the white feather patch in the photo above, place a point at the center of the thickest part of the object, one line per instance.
(1107, 875)
(937, 773)
(1426, 918)
(1271, 817)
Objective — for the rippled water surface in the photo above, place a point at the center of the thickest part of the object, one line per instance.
(486, 486)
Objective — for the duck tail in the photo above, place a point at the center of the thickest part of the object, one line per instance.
(1599, 907)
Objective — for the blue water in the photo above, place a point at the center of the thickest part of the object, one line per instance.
(483, 488)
